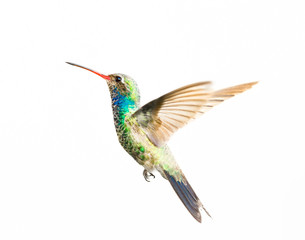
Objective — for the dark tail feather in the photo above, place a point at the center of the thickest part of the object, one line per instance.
(187, 196)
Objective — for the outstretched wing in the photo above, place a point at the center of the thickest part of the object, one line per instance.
(163, 116)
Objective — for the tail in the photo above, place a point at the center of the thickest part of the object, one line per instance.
(187, 195)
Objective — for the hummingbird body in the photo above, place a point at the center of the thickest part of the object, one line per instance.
(132, 138)
(144, 131)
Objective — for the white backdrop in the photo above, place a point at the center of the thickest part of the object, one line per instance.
(63, 174)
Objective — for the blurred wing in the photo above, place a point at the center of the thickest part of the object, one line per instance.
(163, 116)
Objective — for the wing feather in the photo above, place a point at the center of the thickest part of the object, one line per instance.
(163, 116)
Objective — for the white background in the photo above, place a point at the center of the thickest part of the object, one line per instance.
(63, 174)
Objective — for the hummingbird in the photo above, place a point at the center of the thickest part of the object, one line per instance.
(144, 131)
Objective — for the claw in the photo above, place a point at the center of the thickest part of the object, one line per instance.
(147, 175)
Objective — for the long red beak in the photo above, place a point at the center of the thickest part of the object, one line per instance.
(101, 75)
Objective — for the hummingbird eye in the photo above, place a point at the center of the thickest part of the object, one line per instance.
(118, 79)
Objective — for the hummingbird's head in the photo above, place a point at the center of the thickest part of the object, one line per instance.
(124, 85)
(119, 85)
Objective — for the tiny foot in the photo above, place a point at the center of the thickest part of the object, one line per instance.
(147, 175)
